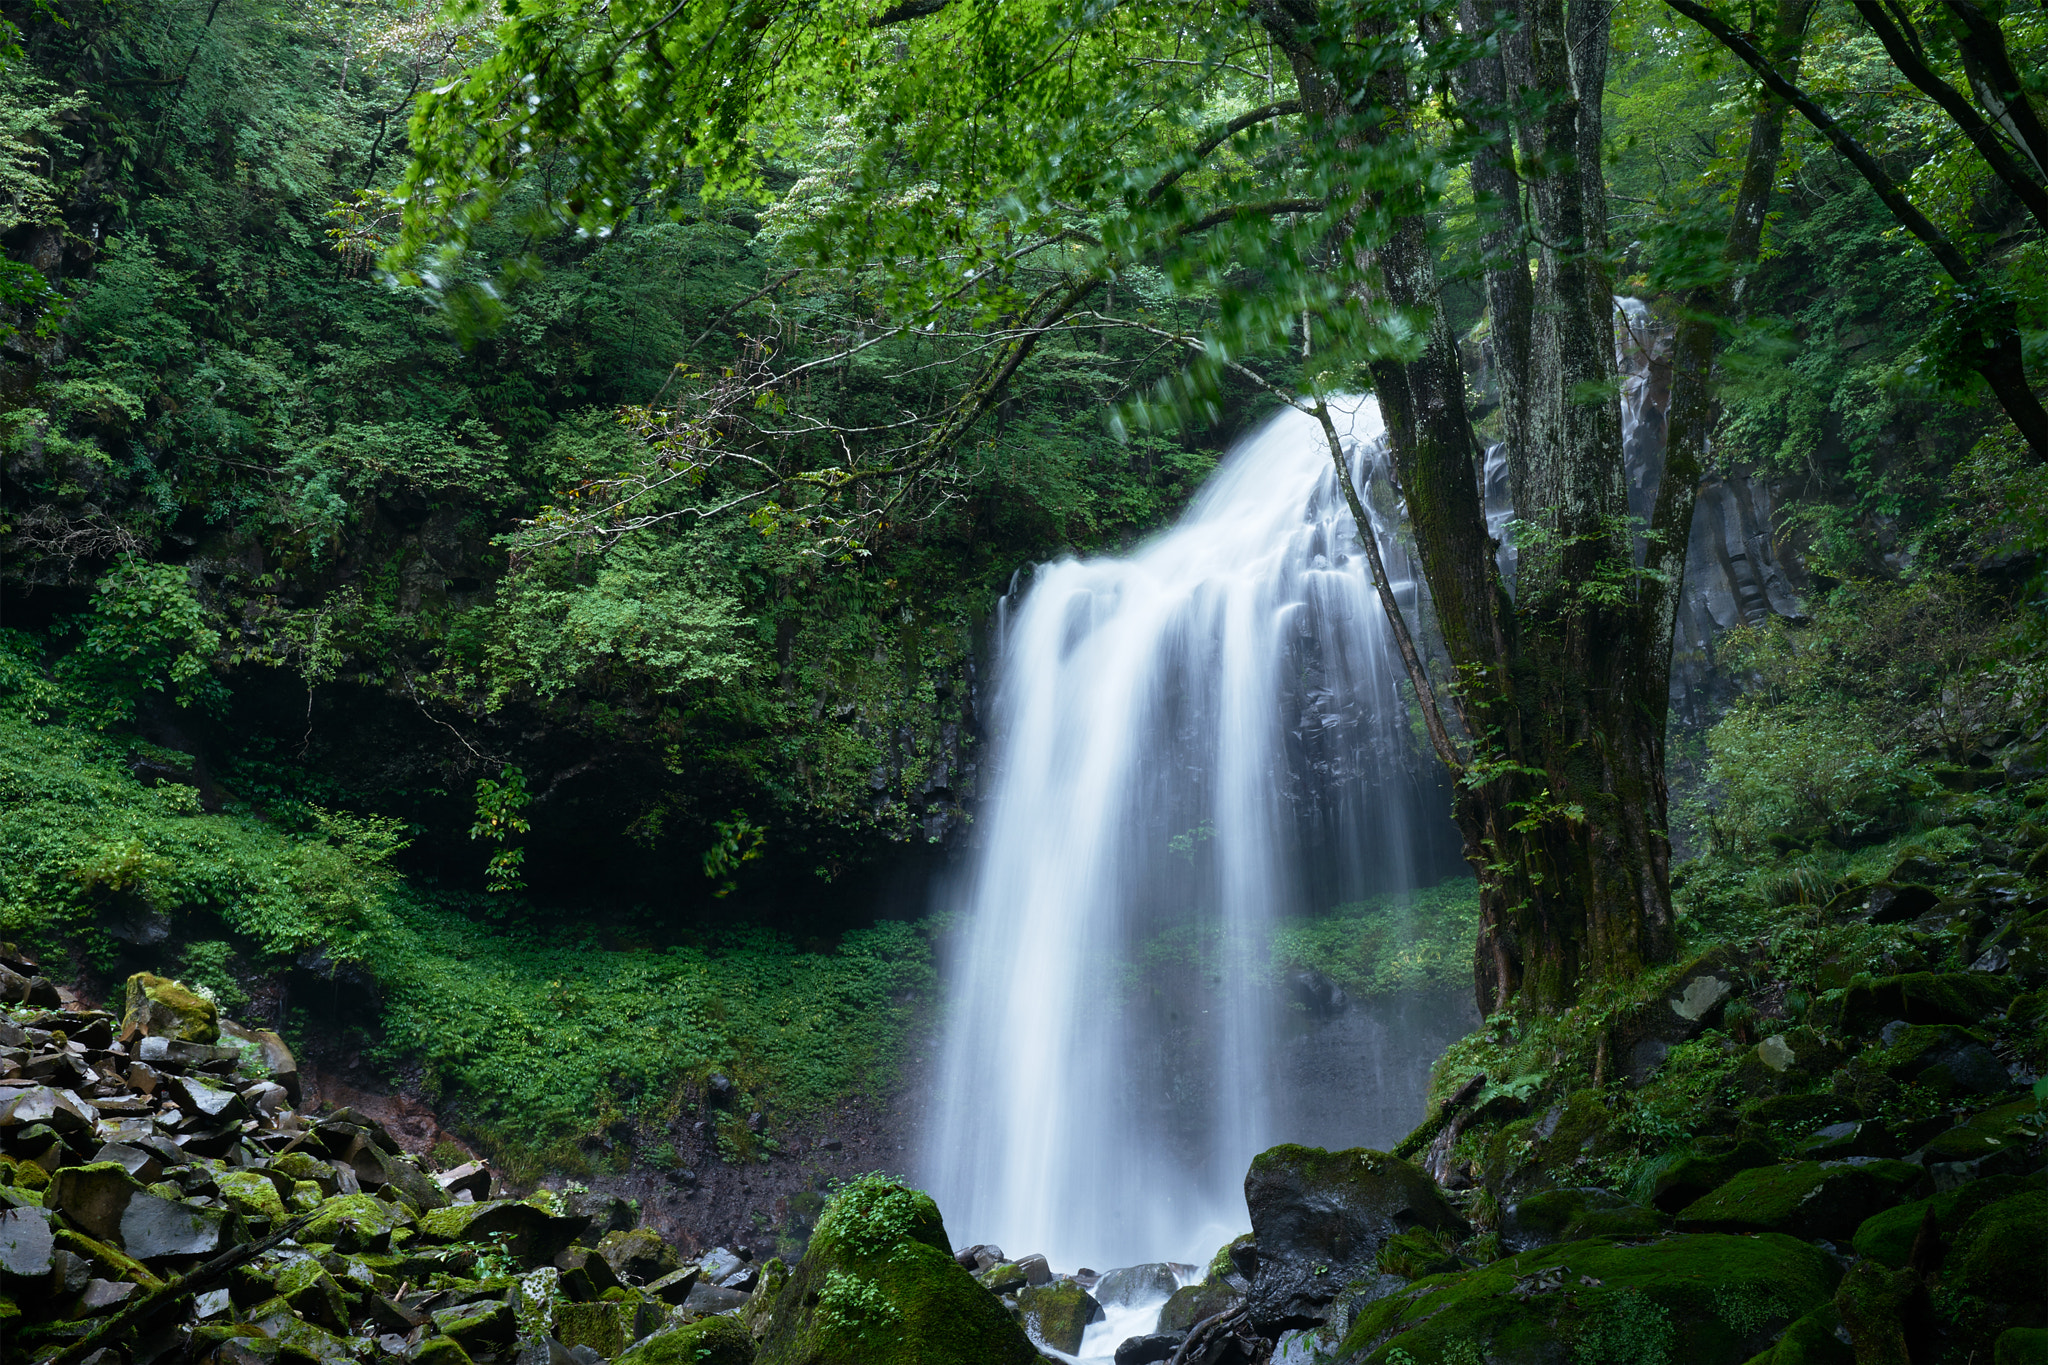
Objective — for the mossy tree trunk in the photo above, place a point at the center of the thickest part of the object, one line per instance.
(1561, 686)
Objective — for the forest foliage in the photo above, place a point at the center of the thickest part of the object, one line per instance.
(276, 608)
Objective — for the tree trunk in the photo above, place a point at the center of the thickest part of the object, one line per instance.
(1560, 796)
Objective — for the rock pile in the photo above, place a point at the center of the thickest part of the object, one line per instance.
(162, 1198)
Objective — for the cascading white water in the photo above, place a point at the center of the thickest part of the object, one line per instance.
(1191, 742)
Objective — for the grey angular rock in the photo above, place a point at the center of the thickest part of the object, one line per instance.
(26, 1244)
(1321, 1218)
(153, 1227)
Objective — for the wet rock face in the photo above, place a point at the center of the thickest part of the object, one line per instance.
(1058, 1314)
(1320, 1218)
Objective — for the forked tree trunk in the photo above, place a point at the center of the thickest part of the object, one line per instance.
(1562, 690)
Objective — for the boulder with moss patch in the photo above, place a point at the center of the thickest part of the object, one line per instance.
(710, 1341)
(157, 1007)
(1705, 1299)
(879, 1286)
(1573, 1214)
(1058, 1314)
(1829, 1199)
(1320, 1219)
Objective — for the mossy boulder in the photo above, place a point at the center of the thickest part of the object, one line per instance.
(1924, 998)
(1873, 1303)
(879, 1286)
(1189, 1304)
(2021, 1346)
(312, 1293)
(638, 1255)
(1887, 1237)
(1827, 1199)
(711, 1341)
(1058, 1314)
(157, 1007)
(1943, 1058)
(355, 1223)
(1705, 1299)
(438, 1351)
(2000, 1255)
(253, 1194)
(107, 1262)
(1321, 1218)
(1571, 1215)
(531, 1234)
(484, 1324)
(1810, 1341)
(1690, 1176)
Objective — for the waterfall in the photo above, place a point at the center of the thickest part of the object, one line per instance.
(1192, 743)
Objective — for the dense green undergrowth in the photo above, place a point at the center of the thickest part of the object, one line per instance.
(554, 1043)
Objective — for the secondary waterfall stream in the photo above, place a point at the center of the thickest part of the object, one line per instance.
(1193, 743)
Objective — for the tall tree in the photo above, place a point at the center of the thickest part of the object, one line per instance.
(1280, 156)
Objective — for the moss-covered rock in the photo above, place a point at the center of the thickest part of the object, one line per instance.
(1873, 1302)
(253, 1194)
(2021, 1346)
(1191, 1303)
(439, 1351)
(1829, 1199)
(2001, 1255)
(158, 1007)
(305, 1166)
(1702, 1299)
(1887, 1237)
(277, 1320)
(1924, 998)
(312, 1293)
(639, 1255)
(1810, 1341)
(879, 1286)
(109, 1263)
(485, 1324)
(531, 1234)
(1058, 1314)
(355, 1223)
(710, 1341)
(1686, 1177)
(1570, 1215)
(609, 1325)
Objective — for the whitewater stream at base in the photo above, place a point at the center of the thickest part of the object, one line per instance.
(1194, 744)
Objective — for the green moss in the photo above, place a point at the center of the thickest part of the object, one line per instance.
(1806, 1198)
(1872, 1302)
(439, 1351)
(1887, 1237)
(2001, 1252)
(109, 1263)
(2022, 1346)
(167, 1009)
(355, 1222)
(1191, 1303)
(879, 1286)
(721, 1340)
(1723, 1297)
(1058, 1313)
(253, 1195)
(1810, 1341)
